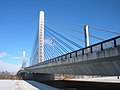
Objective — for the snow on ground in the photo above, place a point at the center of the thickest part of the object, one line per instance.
(23, 85)
(113, 79)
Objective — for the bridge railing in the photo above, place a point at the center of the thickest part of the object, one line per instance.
(113, 42)
(110, 43)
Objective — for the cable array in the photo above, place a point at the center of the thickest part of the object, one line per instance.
(61, 37)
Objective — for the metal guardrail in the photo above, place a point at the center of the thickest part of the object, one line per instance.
(110, 43)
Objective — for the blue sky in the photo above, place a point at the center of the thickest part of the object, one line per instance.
(19, 21)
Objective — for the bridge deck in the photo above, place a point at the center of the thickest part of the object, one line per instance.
(99, 59)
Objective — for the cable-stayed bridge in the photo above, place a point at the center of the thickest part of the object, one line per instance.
(68, 48)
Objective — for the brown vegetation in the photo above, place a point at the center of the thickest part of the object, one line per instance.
(69, 76)
(9, 75)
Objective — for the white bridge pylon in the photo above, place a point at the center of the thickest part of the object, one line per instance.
(41, 38)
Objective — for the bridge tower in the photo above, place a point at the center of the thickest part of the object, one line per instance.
(87, 42)
(23, 60)
(41, 38)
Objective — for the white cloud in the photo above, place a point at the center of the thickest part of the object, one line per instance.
(48, 41)
(16, 58)
(20, 52)
(3, 54)
(4, 66)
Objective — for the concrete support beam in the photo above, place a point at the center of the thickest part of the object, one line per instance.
(38, 76)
